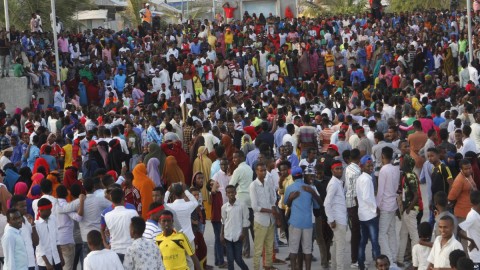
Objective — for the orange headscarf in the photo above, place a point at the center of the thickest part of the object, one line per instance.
(53, 177)
(145, 185)
(172, 173)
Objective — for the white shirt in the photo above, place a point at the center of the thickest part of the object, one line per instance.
(151, 230)
(388, 180)
(123, 144)
(118, 223)
(439, 255)
(65, 225)
(275, 70)
(93, 207)
(48, 241)
(262, 196)
(14, 248)
(210, 141)
(468, 145)
(182, 213)
(222, 179)
(470, 225)
(475, 135)
(104, 259)
(367, 205)
(335, 207)
(50, 198)
(419, 253)
(234, 219)
(26, 232)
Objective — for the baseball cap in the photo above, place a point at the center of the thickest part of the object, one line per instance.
(365, 159)
(309, 171)
(297, 171)
(333, 147)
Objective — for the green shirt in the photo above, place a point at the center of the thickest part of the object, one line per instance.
(462, 46)
(18, 70)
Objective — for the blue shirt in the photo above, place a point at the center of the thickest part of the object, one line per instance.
(195, 48)
(153, 136)
(33, 155)
(279, 133)
(293, 159)
(14, 249)
(17, 153)
(438, 120)
(301, 209)
(119, 82)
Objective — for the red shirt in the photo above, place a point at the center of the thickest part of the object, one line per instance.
(396, 82)
(229, 12)
(217, 202)
(56, 150)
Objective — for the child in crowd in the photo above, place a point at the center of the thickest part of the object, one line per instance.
(421, 251)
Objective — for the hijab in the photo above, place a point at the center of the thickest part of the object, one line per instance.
(172, 173)
(154, 151)
(36, 179)
(53, 177)
(115, 156)
(70, 177)
(145, 186)
(472, 157)
(153, 172)
(199, 141)
(203, 164)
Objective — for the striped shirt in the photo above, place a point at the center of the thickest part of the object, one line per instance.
(151, 230)
(352, 172)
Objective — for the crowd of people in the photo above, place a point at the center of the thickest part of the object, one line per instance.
(279, 131)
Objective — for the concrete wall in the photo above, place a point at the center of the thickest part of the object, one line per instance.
(14, 93)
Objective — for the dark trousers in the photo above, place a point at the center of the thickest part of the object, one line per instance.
(369, 230)
(285, 223)
(355, 229)
(218, 248)
(78, 256)
(234, 254)
(246, 242)
(121, 257)
(56, 267)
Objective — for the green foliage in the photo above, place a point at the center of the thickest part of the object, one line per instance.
(20, 12)
(410, 5)
(327, 7)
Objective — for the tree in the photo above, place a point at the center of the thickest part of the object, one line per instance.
(20, 12)
(410, 5)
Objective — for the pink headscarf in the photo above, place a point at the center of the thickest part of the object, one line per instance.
(20, 189)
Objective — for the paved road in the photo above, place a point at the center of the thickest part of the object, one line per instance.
(209, 239)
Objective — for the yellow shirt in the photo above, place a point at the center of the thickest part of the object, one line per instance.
(283, 68)
(212, 41)
(281, 191)
(255, 64)
(173, 249)
(329, 60)
(68, 158)
(228, 38)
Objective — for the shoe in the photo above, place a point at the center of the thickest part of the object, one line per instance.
(278, 261)
(209, 267)
(354, 265)
(282, 244)
(223, 266)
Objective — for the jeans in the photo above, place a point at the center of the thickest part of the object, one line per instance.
(234, 253)
(5, 63)
(368, 229)
(355, 229)
(387, 236)
(85, 250)
(218, 248)
(409, 227)
(78, 256)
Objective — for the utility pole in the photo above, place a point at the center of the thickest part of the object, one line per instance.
(7, 18)
(53, 19)
(469, 27)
